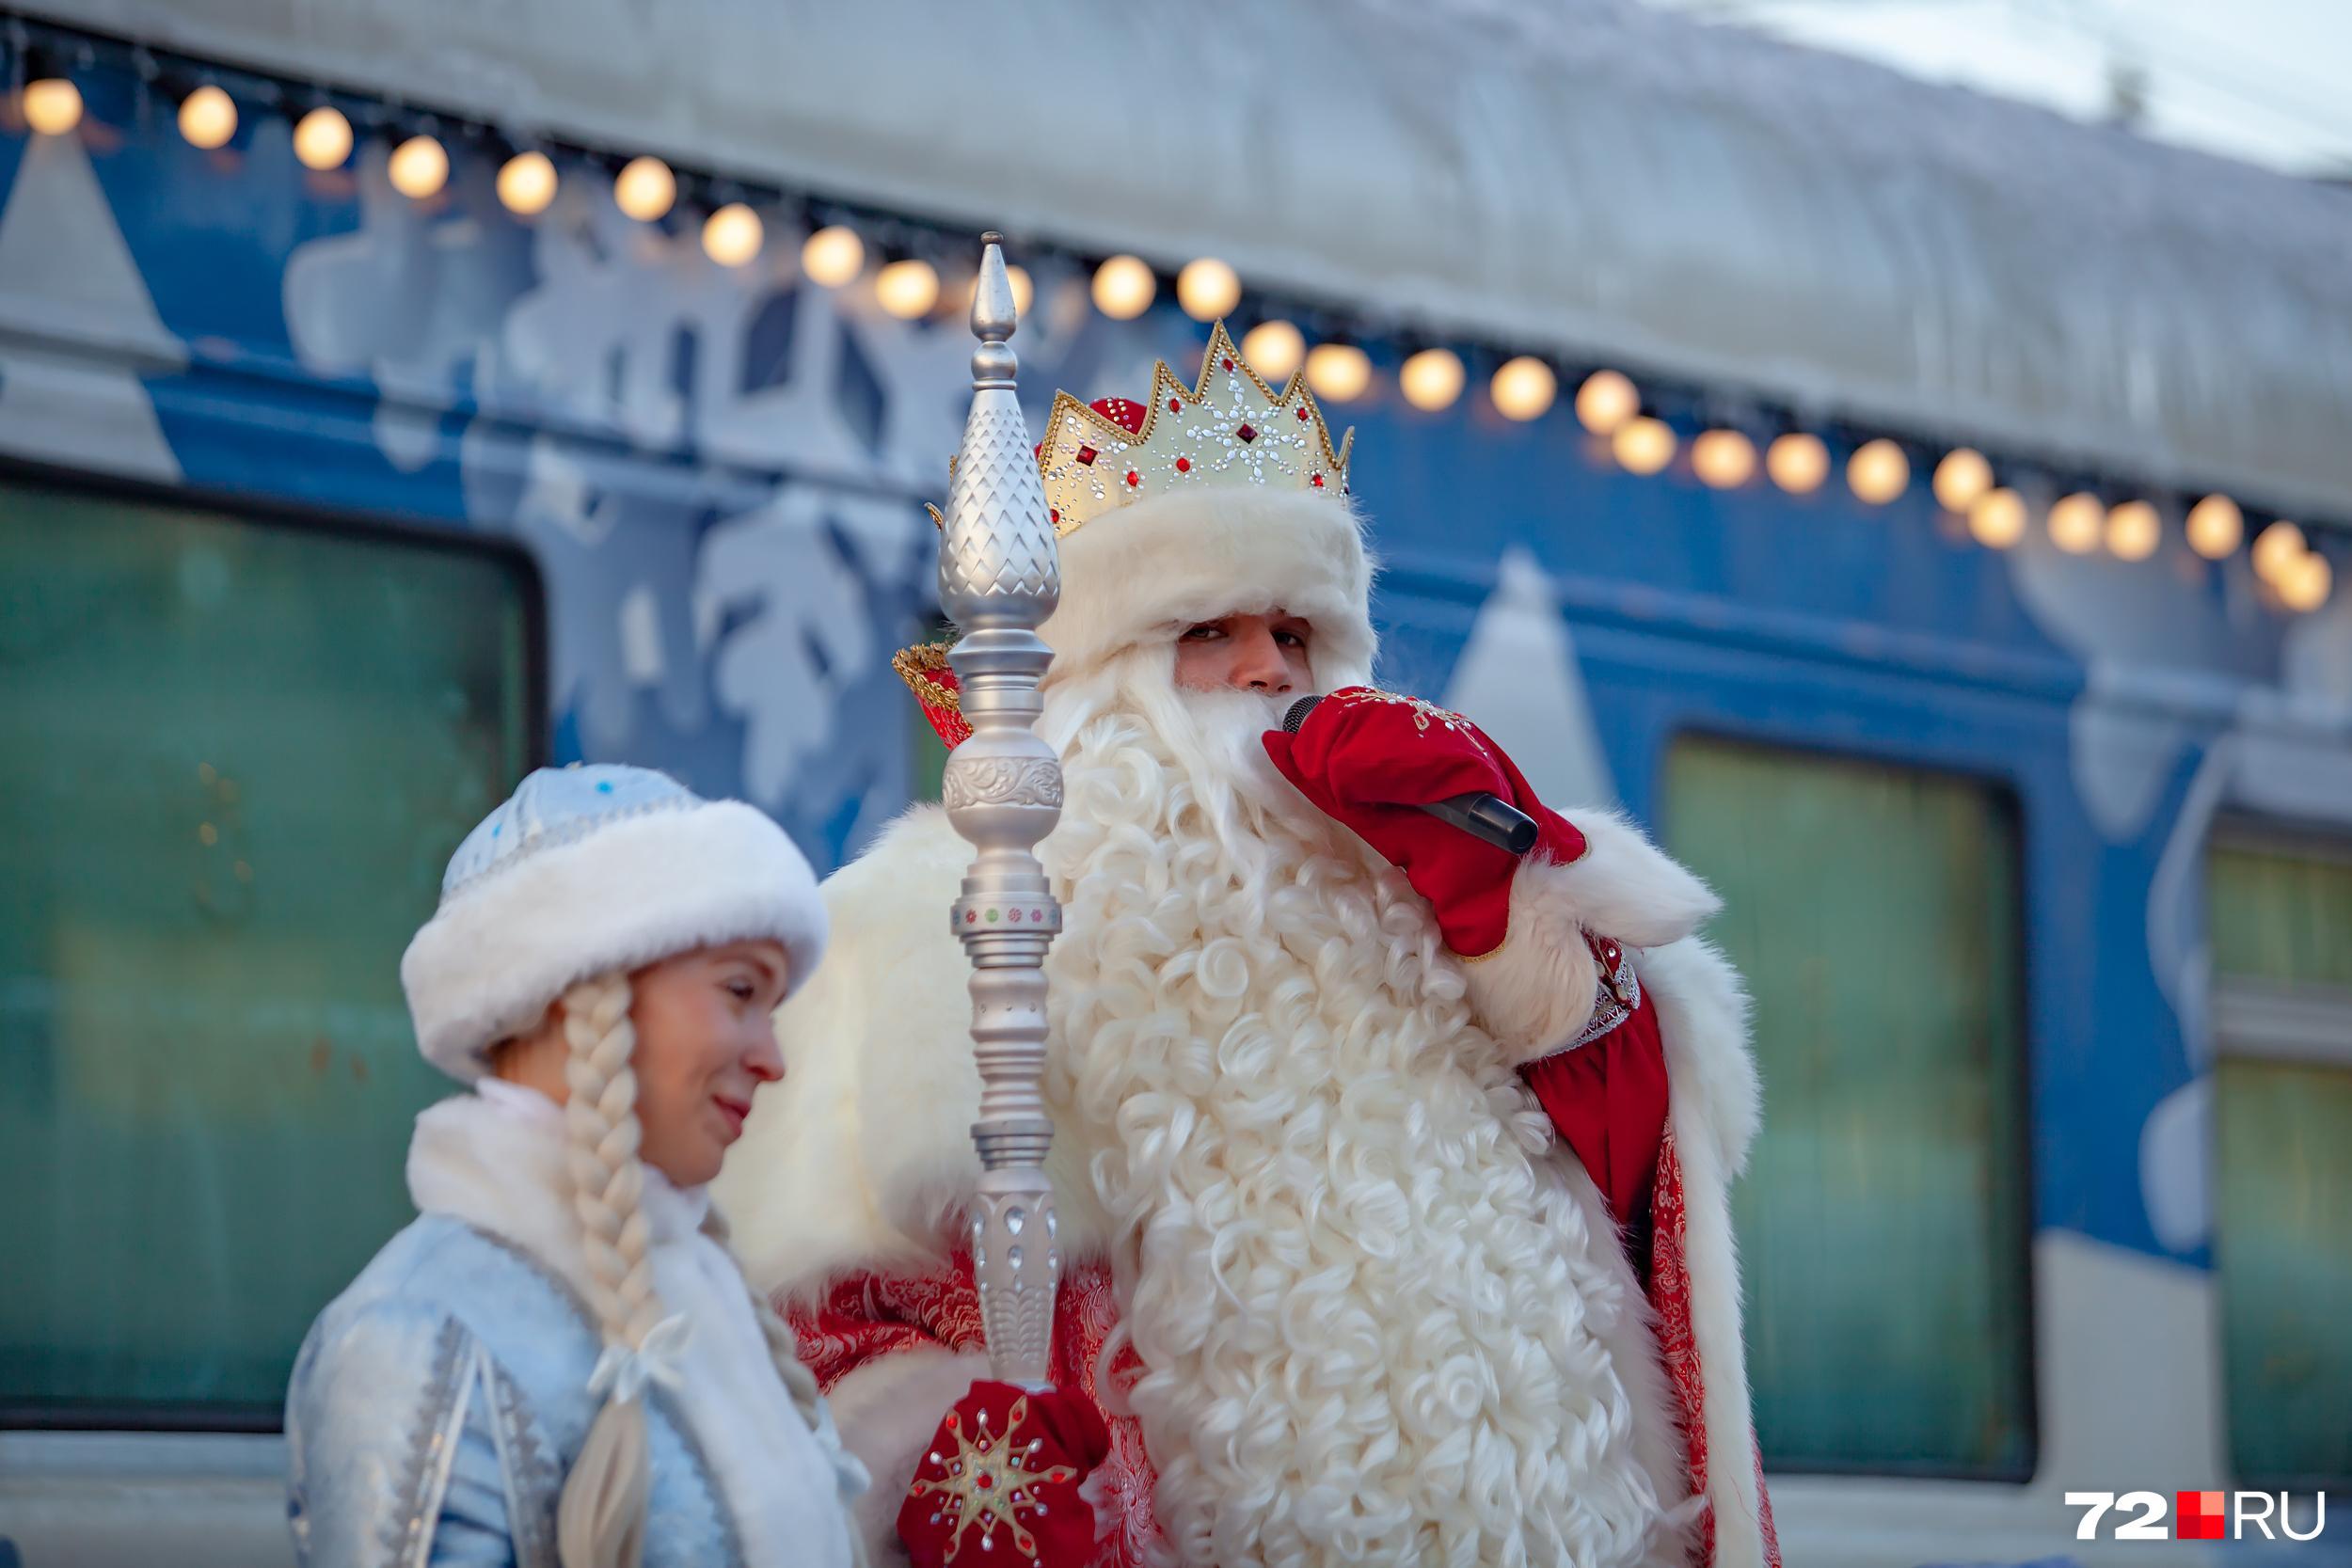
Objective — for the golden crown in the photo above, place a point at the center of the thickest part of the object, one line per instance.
(1228, 428)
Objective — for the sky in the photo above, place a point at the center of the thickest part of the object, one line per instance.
(2267, 81)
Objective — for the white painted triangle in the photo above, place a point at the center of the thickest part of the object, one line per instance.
(80, 324)
(1519, 680)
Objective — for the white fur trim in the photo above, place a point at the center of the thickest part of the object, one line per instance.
(1535, 991)
(628, 893)
(1713, 1100)
(1703, 1016)
(888, 1412)
(1624, 886)
(1150, 569)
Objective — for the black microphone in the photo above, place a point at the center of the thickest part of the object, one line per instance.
(1481, 813)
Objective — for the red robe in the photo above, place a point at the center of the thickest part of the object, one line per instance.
(1607, 1096)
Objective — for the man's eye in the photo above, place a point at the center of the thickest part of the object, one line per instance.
(1203, 632)
(1290, 638)
(741, 990)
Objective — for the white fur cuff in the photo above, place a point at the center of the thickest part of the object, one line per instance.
(1535, 991)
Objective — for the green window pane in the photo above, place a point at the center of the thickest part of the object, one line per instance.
(2274, 916)
(2283, 1253)
(1882, 1220)
(234, 760)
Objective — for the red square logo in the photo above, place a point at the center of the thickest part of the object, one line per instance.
(2200, 1515)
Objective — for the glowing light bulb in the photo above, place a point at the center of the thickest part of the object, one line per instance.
(1340, 372)
(1123, 287)
(1961, 478)
(1878, 471)
(419, 167)
(1431, 379)
(1606, 401)
(1643, 446)
(1998, 519)
(1797, 462)
(1523, 389)
(2305, 585)
(208, 118)
(907, 288)
(1274, 350)
(1208, 289)
(2078, 522)
(833, 256)
(2214, 527)
(322, 138)
(733, 235)
(53, 105)
(1723, 459)
(527, 183)
(2134, 530)
(646, 189)
(2277, 548)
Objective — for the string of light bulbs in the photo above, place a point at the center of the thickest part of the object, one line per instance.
(837, 255)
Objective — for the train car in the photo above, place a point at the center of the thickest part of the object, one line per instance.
(1922, 512)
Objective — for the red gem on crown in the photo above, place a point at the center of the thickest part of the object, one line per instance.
(1134, 478)
(1247, 434)
(1086, 454)
(1175, 406)
(1184, 464)
(1316, 482)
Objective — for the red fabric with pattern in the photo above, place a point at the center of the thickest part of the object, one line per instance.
(1000, 1483)
(866, 1317)
(1366, 758)
(1670, 1294)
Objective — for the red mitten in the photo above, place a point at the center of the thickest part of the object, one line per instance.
(1366, 758)
(1000, 1483)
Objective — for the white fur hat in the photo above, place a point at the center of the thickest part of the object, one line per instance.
(586, 870)
(1145, 571)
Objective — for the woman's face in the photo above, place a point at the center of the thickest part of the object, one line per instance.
(704, 1045)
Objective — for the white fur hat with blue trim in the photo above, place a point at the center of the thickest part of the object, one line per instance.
(586, 870)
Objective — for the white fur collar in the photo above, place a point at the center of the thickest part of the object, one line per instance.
(495, 1159)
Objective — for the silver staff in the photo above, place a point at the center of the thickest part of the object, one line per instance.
(999, 577)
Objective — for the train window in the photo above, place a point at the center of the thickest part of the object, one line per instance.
(234, 758)
(2279, 918)
(1885, 1218)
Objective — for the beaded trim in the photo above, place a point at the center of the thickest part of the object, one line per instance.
(917, 665)
(1619, 992)
(533, 1480)
(431, 1445)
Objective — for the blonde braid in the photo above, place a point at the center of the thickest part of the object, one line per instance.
(600, 1521)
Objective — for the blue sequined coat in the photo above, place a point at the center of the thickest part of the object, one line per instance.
(437, 1406)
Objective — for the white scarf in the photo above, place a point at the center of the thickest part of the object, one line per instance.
(495, 1159)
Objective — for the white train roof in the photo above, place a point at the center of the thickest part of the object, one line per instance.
(1585, 177)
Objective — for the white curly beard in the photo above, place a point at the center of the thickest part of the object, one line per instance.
(1375, 1315)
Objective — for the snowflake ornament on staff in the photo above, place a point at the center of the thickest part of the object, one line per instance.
(999, 577)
